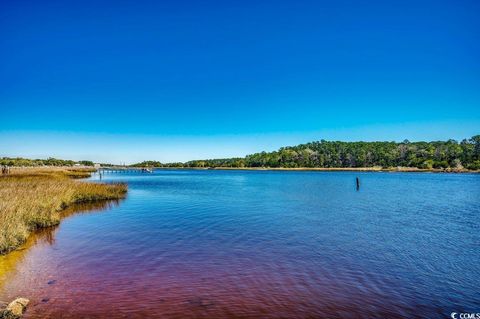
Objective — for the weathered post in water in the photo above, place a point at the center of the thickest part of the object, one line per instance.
(358, 183)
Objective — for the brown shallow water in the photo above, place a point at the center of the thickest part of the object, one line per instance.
(216, 244)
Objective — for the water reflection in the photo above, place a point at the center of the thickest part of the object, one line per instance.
(45, 237)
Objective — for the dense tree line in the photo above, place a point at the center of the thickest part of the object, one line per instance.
(18, 161)
(328, 154)
(334, 154)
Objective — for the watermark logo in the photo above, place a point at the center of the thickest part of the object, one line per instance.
(465, 315)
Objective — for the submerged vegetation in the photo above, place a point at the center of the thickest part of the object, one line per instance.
(32, 198)
(333, 154)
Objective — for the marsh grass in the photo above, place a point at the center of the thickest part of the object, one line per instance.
(35, 198)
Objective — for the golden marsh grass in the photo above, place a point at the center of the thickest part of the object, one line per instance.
(32, 198)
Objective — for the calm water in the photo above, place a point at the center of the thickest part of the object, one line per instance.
(215, 244)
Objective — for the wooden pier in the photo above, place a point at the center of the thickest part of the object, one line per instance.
(122, 169)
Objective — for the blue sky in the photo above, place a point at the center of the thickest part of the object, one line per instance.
(124, 81)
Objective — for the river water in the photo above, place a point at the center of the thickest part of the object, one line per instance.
(259, 244)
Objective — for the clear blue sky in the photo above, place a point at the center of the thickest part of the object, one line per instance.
(124, 81)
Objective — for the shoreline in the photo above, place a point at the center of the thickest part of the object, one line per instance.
(50, 192)
(85, 172)
(327, 169)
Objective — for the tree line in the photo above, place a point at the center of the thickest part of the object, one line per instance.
(449, 154)
(19, 161)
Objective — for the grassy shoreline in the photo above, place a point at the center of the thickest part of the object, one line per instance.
(33, 198)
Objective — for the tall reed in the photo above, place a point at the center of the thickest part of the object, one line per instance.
(34, 198)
